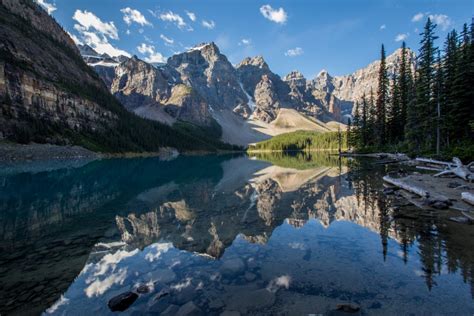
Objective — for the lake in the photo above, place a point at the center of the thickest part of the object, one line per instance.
(205, 235)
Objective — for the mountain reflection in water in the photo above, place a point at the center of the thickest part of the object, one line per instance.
(262, 235)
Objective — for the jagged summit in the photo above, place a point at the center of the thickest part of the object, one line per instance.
(294, 75)
(257, 61)
(210, 46)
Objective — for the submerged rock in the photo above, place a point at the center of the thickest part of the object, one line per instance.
(143, 289)
(122, 301)
(348, 308)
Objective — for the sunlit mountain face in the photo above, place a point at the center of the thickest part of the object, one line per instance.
(291, 234)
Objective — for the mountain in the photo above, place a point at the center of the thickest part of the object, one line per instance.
(202, 87)
(342, 91)
(247, 101)
(48, 93)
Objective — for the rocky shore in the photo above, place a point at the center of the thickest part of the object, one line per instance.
(10, 152)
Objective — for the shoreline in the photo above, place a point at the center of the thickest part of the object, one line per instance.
(24, 153)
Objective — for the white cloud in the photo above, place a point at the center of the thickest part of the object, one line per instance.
(208, 24)
(277, 16)
(88, 21)
(95, 33)
(49, 7)
(294, 52)
(101, 45)
(153, 56)
(418, 17)
(170, 16)
(191, 15)
(383, 27)
(401, 37)
(131, 15)
(245, 42)
(167, 40)
(442, 20)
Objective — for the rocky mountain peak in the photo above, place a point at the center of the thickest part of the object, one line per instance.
(86, 50)
(256, 61)
(295, 77)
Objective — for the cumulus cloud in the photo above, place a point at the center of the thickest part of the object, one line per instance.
(167, 40)
(418, 17)
(245, 42)
(153, 56)
(401, 37)
(131, 15)
(208, 24)
(49, 7)
(383, 27)
(101, 45)
(96, 33)
(191, 15)
(274, 15)
(175, 18)
(294, 52)
(442, 20)
(89, 21)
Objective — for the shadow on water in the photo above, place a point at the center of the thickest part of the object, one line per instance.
(226, 233)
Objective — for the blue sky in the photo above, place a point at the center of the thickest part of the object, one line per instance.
(340, 36)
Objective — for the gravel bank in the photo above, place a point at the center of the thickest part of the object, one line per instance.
(17, 152)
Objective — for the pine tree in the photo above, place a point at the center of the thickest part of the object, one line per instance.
(439, 97)
(382, 95)
(449, 73)
(371, 116)
(425, 102)
(363, 123)
(463, 103)
(356, 139)
(405, 83)
(394, 113)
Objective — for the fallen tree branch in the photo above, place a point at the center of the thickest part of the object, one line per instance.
(468, 197)
(429, 168)
(458, 169)
(406, 186)
(433, 161)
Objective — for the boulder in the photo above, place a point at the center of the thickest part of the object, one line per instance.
(122, 301)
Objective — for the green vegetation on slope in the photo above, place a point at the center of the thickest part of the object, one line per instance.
(302, 141)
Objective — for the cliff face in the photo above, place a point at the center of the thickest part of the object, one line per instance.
(38, 66)
(48, 94)
(342, 91)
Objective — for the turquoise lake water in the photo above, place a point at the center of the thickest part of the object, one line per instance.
(267, 235)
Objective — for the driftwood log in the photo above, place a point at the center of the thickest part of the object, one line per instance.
(407, 187)
(456, 168)
(468, 197)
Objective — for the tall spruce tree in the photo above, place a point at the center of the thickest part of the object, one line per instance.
(382, 96)
(449, 73)
(424, 107)
(356, 135)
(405, 82)
(463, 103)
(394, 112)
(363, 122)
